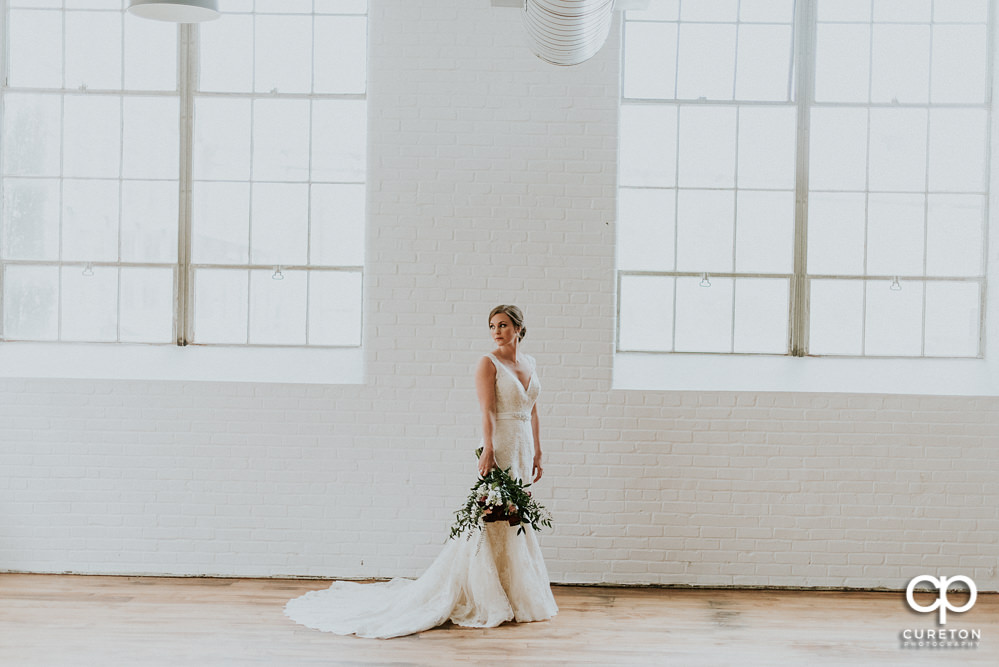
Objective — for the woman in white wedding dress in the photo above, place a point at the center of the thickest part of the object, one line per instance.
(495, 576)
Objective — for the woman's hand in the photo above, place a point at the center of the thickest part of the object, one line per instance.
(537, 466)
(486, 462)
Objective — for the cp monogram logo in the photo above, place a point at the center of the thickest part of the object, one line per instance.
(941, 601)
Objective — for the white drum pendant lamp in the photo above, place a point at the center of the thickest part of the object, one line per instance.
(567, 32)
(178, 11)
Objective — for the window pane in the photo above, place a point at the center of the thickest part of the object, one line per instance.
(283, 55)
(764, 62)
(647, 152)
(337, 225)
(90, 220)
(35, 48)
(898, 149)
(764, 232)
(836, 233)
(844, 10)
(645, 229)
(707, 146)
(901, 63)
(150, 54)
(343, 6)
(958, 138)
(280, 223)
(339, 145)
(92, 136)
(334, 308)
(92, 4)
(232, 6)
(767, 147)
(30, 221)
(147, 304)
(221, 223)
(955, 235)
(703, 315)
(836, 316)
(31, 145)
(650, 60)
(761, 315)
(222, 139)
(959, 59)
(93, 50)
(952, 319)
(220, 305)
(961, 10)
(658, 10)
(31, 302)
(151, 137)
(281, 140)
(838, 153)
(341, 54)
(902, 10)
(766, 11)
(709, 10)
(148, 222)
(894, 319)
(646, 313)
(277, 308)
(842, 63)
(707, 61)
(895, 234)
(89, 304)
(226, 62)
(705, 220)
(284, 6)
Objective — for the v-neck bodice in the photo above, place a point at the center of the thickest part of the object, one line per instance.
(511, 394)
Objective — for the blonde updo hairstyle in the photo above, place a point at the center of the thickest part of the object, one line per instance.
(516, 318)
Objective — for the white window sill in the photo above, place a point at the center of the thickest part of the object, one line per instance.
(192, 363)
(717, 372)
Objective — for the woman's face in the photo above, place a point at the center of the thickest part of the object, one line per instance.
(502, 329)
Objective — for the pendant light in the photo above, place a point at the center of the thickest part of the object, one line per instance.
(178, 11)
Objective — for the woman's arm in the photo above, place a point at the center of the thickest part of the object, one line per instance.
(536, 428)
(485, 387)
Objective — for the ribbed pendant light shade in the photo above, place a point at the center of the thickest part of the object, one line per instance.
(178, 11)
(567, 32)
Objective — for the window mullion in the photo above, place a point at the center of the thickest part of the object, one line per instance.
(187, 64)
(804, 30)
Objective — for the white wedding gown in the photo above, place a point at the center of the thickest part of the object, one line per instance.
(495, 576)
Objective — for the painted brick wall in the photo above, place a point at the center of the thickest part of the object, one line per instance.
(492, 181)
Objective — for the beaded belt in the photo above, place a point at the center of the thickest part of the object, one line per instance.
(522, 416)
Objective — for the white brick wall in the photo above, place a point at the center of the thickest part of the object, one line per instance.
(492, 181)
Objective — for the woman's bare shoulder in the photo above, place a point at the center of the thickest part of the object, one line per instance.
(485, 365)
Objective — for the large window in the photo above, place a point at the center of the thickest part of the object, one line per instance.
(198, 184)
(804, 178)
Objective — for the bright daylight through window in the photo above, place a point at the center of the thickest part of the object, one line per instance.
(199, 184)
(805, 178)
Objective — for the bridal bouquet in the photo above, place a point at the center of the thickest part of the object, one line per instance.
(499, 497)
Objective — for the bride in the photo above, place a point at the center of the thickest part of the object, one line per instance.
(495, 576)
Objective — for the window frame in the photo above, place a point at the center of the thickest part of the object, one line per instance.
(802, 97)
(183, 315)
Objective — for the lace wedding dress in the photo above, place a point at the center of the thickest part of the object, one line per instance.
(495, 576)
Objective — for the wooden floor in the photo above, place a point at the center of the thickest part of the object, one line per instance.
(109, 621)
